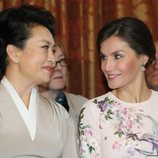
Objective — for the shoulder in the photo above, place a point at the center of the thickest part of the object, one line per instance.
(5, 94)
(99, 98)
(76, 96)
(154, 93)
(154, 96)
(57, 110)
(3, 89)
(75, 99)
(92, 104)
(91, 113)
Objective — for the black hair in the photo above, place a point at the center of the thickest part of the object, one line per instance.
(15, 24)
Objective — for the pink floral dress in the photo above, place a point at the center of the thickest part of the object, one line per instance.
(112, 128)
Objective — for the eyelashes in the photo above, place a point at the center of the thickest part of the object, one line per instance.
(103, 57)
(115, 56)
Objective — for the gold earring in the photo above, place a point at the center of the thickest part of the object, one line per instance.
(142, 67)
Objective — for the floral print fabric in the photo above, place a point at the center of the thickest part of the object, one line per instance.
(109, 127)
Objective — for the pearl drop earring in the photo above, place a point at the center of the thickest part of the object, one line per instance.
(16, 61)
(142, 67)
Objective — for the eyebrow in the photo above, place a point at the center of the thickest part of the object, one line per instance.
(46, 41)
(113, 52)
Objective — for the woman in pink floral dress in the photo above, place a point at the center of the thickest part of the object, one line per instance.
(122, 123)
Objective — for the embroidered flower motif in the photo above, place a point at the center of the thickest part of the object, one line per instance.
(88, 145)
(121, 118)
(116, 145)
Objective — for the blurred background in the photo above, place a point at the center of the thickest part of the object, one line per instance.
(78, 22)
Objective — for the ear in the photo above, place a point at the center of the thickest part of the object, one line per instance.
(13, 53)
(144, 59)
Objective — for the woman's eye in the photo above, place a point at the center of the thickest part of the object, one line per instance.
(46, 47)
(53, 50)
(103, 57)
(118, 56)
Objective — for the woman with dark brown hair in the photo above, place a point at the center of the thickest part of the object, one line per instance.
(122, 123)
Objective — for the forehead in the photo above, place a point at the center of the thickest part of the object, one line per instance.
(113, 44)
(41, 33)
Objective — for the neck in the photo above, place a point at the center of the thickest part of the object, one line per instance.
(23, 90)
(133, 95)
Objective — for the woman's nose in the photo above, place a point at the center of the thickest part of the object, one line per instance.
(107, 65)
(51, 56)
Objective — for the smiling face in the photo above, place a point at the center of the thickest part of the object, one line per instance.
(152, 72)
(120, 63)
(34, 60)
(57, 81)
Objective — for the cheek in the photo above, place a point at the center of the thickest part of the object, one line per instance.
(133, 69)
(39, 55)
(39, 59)
(129, 67)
